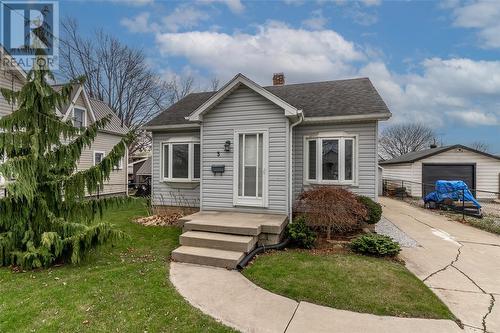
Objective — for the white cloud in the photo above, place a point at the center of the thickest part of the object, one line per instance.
(140, 23)
(317, 21)
(184, 17)
(372, 2)
(483, 15)
(448, 89)
(360, 16)
(135, 3)
(475, 117)
(236, 6)
(437, 91)
(294, 2)
(301, 54)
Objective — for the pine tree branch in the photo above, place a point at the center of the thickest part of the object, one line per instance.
(67, 155)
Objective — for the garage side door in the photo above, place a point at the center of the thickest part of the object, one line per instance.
(433, 172)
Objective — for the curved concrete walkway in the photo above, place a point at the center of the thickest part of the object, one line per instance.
(233, 300)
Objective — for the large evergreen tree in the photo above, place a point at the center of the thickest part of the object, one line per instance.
(45, 216)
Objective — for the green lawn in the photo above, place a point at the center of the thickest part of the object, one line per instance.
(347, 281)
(124, 288)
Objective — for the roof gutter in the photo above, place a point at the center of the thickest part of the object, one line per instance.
(334, 119)
(170, 127)
(290, 171)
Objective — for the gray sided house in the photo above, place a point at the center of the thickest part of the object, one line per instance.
(248, 148)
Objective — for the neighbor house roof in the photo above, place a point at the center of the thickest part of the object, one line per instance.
(352, 97)
(419, 155)
(145, 169)
(101, 110)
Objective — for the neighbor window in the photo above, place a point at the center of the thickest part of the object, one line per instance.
(119, 165)
(78, 118)
(330, 160)
(181, 161)
(98, 157)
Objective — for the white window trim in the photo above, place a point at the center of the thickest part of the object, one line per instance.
(190, 141)
(242, 200)
(98, 152)
(319, 137)
(84, 115)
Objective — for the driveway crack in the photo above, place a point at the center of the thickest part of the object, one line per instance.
(490, 309)
(293, 315)
(452, 264)
(449, 265)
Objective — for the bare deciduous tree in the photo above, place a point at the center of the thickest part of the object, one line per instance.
(481, 146)
(214, 84)
(180, 87)
(400, 139)
(118, 75)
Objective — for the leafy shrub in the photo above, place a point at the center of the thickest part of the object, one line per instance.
(331, 209)
(300, 234)
(373, 244)
(374, 209)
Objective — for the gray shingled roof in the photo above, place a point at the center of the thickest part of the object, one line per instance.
(418, 155)
(101, 110)
(145, 169)
(316, 99)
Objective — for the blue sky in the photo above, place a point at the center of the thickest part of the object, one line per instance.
(432, 62)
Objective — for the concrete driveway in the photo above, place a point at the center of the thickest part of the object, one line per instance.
(461, 264)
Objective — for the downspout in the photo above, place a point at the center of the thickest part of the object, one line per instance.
(290, 171)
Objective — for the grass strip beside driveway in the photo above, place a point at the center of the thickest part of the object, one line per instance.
(347, 281)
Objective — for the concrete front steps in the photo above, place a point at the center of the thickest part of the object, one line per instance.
(222, 239)
(207, 256)
(219, 241)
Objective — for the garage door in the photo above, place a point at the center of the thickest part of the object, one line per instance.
(433, 172)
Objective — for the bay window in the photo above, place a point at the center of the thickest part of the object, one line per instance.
(180, 161)
(330, 160)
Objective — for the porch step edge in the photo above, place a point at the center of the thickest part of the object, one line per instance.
(219, 241)
(207, 256)
(223, 228)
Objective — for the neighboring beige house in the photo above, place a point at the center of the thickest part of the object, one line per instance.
(84, 111)
(420, 170)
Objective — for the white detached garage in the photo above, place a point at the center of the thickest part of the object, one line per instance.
(481, 171)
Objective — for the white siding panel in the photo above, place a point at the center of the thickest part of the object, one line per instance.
(8, 81)
(242, 109)
(118, 178)
(398, 172)
(367, 154)
(171, 194)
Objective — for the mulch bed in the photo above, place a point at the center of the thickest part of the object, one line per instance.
(160, 220)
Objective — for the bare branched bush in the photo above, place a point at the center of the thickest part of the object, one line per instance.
(331, 209)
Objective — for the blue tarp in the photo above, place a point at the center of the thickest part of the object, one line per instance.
(451, 189)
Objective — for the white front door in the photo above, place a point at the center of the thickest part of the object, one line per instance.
(250, 180)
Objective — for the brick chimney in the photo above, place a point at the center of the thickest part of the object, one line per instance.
(278, 79)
